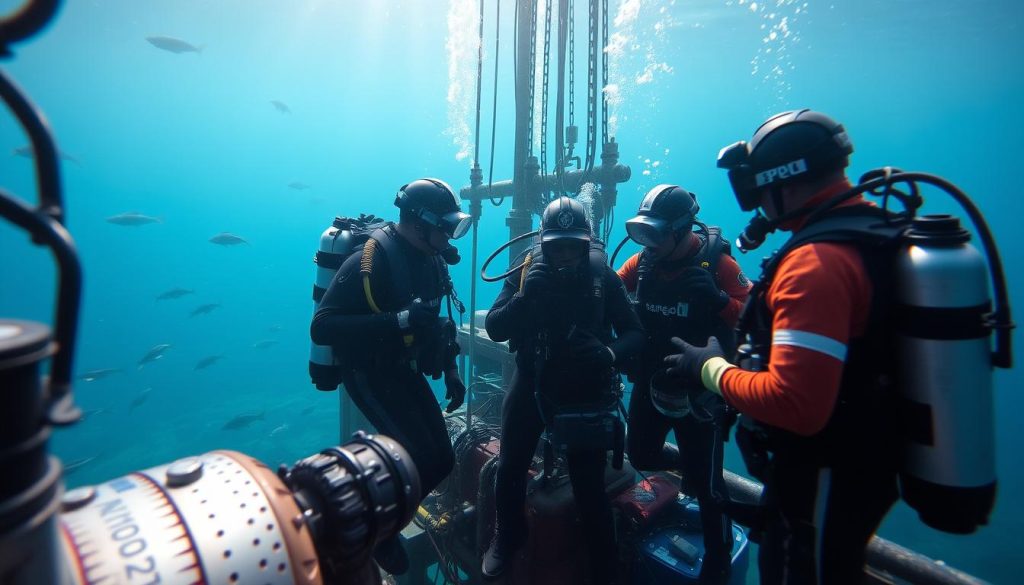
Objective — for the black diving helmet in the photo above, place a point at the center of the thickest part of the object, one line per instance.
(434, 203)
(665, 210)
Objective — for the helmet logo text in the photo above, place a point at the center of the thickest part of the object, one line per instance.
(785, 171)
(565, 219)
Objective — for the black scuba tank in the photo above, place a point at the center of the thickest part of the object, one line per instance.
(947, 472)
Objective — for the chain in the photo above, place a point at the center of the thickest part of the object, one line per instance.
(604, 72)
(533, 75)
(592, 87)
(572, 64)
(545, 91)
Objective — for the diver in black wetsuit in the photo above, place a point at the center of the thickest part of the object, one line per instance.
(381, 315)
(559, 312)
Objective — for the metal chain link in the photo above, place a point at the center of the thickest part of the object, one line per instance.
(545, 91)
(604, 72)
(533, 74)
(572, 63)
(591, 86)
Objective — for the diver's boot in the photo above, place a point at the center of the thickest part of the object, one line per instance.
(391, 556)
(498, 555)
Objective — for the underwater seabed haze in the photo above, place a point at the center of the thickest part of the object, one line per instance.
(294, 112)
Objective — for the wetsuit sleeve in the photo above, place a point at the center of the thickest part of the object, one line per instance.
(628, 272)
(730, 278)
(345, 317)
(629, 333)
(819, 299)
(506, 319)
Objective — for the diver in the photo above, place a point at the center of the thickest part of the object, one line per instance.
(559, 311)
(818, 399)
(381, 315)
(687, 285)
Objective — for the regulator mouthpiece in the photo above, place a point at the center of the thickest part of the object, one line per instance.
(754, 234)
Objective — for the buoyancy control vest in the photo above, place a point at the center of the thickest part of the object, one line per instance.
(919, 377)
(664, 305)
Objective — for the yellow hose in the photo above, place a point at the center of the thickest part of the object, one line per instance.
(365, 269)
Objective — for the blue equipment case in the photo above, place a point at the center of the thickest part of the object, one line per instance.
(661, 563)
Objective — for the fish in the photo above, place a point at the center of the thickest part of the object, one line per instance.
(27, 152)
(93, 375)
(133, 219)
(139, 399)
(281, 106)
(264, 343)
(307, 410)
(279, 429)
(204, 309)
(228, 239)
(207, 362)
(73, 466)
(242, 421)
(299, 185)
(92, 412)
(174, 293)
(156, 352)
(274, 328)
(174, 45)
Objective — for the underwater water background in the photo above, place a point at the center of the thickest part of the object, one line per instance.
(382, 92)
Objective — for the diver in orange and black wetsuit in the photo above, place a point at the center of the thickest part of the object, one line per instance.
(818, 401)
(688, 286)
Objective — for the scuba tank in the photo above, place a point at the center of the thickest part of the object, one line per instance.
(336, 243)
(947, 472)
(943, 325)
(344, 237)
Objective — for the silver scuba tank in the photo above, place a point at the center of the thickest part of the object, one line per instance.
(947, 472)
(335, 245)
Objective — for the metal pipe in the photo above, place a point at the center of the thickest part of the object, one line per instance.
(882, 555)
(604, 175)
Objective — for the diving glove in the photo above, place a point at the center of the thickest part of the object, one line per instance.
(700, 286)
(455, 390)
(689, 362)
(417, 315)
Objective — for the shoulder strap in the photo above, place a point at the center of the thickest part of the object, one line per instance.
(400, 283)
(861, 225)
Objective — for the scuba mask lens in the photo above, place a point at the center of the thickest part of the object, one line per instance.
(736, 158)
(456, 224)
(645, 232)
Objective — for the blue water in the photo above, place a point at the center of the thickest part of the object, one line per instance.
(377, 98)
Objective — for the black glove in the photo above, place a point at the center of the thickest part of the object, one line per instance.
(538, 281)
(700, 287)
(583, 347)
(455, 390)
(418, 315)
(690, 359)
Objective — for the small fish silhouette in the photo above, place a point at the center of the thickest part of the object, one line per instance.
(279, 429)
(72, 466)
(139, 399)
(156, 352)
(228, 239)
(93, 375)
(204, 309)
(133, 219)
(265, 343)
(281, 106)
(27, 152)
(175, 293)
(207, 362)
(174, 45)
(299, 185)
(242, 421)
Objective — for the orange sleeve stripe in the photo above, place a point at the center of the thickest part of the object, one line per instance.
(628, 272)
(820, 289)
